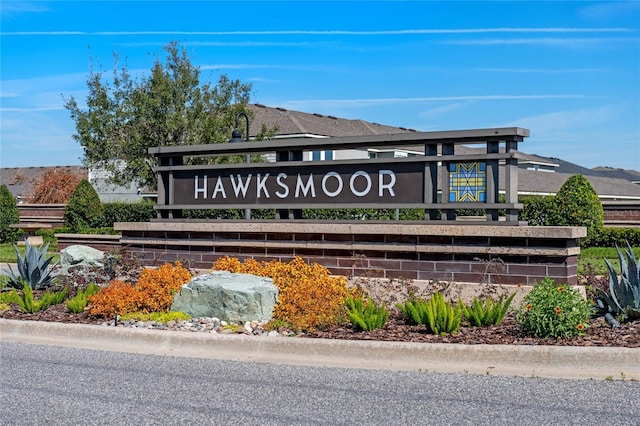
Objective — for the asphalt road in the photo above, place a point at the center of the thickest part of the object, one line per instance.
(61, 386)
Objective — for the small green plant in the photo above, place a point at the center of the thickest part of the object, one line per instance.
(554, 310)
(276, 324)
(491, 312)
(79, 302)
(162, 317)
(622, 300)
(29, 304)
(33, 268)
(366, 315)
(436, 314)
(10, 297)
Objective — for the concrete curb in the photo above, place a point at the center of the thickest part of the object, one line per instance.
(509, 360)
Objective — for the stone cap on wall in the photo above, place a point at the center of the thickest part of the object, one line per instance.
(357, 227)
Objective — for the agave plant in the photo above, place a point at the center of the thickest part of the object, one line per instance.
(622, 301)
(33, 268)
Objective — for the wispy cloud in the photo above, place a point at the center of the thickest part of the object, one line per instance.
(27, 144)
(306, 67)
(390, 101)
(10, 9)
(327, 32)
(237, 44)
(573, 42)
(548, 124)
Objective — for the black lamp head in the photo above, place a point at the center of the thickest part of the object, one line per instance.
(236, 136)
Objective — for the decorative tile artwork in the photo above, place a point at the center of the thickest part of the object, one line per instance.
(468, 182)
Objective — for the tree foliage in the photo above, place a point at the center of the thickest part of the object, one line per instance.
(124, 116)
(55, 186)
(84, 209)
(8, 214)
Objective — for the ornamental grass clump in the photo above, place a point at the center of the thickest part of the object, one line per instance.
(366, 315)
(309, 297)
(491, 312)
(554, 310)
(152, 293)
(79, 302)
(29, 304)
(437, 315)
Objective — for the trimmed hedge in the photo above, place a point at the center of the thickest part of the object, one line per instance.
(538, 211)
(128, 212)
(612, 237)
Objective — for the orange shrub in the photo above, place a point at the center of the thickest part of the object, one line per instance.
(118, 297)
(309, 297)
(159, 286)
(153, 292)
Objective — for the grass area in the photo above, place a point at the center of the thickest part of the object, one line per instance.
(8, 253)
(591, 259)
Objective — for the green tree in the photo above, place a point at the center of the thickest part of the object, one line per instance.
(8, 214)
(124, 117)
(577, 204)
(84, 209)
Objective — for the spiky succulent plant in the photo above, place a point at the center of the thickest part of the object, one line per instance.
(622, 300)
(33, 268)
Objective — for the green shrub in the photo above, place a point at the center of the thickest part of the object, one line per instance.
(10, 297)
(362, 214)
(577, 204)
(612, 237)
(84, 209)
(8, 215)
(538, 211)
(128, 212)
(554, 310)
(436, 314)
(491, 312)
(228, 213)
(367, 315)
(79, 302)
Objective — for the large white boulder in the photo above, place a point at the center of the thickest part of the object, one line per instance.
(228, 296)
(79, 255)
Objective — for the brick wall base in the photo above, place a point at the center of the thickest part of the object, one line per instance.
(411, 250)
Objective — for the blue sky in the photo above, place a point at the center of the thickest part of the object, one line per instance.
(568, 71)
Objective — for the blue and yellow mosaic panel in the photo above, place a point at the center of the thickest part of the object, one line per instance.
(468, 182)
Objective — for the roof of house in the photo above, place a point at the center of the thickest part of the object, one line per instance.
(541, 182)
(290, 123)
(20, 180)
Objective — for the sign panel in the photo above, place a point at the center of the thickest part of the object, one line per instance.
(390, 184)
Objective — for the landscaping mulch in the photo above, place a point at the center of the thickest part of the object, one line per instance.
(599, 334)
